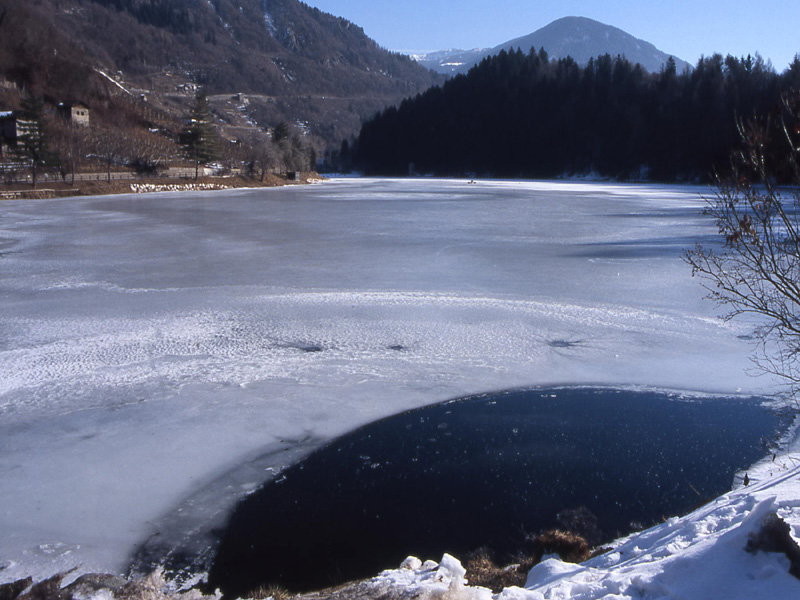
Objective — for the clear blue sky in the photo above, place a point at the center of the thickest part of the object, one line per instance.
(685, 28)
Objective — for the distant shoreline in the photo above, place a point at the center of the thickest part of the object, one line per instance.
(50, 190)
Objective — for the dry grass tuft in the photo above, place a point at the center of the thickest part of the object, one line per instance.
(569, 546)
(273, 591)
(484, 572)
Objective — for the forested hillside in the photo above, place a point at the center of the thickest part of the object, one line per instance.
(297, 62)
(256, 46)
(520, 114)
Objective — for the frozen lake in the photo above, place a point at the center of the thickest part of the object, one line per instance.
(162, 354)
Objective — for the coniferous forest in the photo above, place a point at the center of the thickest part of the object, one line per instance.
(523, 115)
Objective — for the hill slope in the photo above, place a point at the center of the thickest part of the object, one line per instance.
(307, 65)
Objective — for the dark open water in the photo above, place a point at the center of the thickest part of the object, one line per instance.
(487, 471)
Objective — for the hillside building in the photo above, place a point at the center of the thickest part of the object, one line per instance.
(75, 114)
(8, 132)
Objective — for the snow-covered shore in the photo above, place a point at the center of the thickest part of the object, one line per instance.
(717, 552)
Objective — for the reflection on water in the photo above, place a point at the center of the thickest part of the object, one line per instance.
(487, 471)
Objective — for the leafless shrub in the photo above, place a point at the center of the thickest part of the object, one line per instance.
(756, 273)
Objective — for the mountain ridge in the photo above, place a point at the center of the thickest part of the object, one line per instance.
(579, 37)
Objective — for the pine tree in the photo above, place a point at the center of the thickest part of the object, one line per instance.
(199, 138)
(281, 132)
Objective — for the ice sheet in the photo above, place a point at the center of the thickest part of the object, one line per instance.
(151, 343)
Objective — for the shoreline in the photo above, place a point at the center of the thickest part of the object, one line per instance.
(52, 190)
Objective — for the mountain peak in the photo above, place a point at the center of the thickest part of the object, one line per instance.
(581, 38)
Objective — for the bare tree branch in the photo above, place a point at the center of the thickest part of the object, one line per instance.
(757, 212)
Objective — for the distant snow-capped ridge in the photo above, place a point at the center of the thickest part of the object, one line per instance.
(578, 37)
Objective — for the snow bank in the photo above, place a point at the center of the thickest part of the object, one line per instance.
(145, 188)
(431, 581)
(710, 554)
(702, 555)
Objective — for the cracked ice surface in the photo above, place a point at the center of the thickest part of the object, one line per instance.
(150, 343)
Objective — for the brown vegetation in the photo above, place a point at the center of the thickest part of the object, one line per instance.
(775, 535)
(131, 137)
(569, 546)
(482, 569)
(275, 592)
(151, 587)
